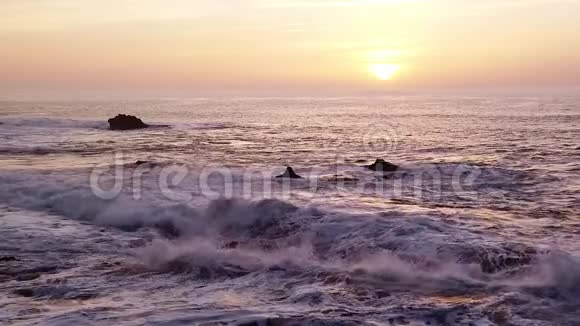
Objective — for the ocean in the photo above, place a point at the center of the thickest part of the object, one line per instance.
(185, 222)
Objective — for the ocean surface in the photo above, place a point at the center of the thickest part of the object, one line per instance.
(479, 226)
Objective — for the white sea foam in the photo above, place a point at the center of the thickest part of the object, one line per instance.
(412, 248)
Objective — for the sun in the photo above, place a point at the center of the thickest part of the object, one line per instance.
(384, 71)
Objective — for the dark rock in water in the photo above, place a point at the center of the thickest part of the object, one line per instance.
(508, 258)
(232, 245)
(24, 292)
(360, 161)
(491, 264)
(168, 229)
(140, 163)
(381, 165)
(289, 173)
(8, 258)
(126, 122)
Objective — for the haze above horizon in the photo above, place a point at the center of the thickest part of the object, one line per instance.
(258, 46)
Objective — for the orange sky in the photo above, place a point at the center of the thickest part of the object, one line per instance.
(73, 45)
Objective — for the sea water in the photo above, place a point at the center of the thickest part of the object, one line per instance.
(480, 225)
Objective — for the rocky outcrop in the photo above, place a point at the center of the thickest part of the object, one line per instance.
(381, 165)
(126, 122)
(506, 258)
(289, 174)
(491, 264)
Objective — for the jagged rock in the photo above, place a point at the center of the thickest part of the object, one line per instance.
(510, 257)
(126, 122)
(289, 173)
(491, 264)
(381, 165)
(141, 162)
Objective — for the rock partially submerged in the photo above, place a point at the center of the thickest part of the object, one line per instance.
(290, 174)
(145, 164)
(8, 258)
(126, 122)
(491, 264)
(381, 165)
(506, 258)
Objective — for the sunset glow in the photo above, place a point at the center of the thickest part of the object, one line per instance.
(384, 71)
(288, 44)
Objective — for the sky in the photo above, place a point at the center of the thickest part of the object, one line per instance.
(178, 46)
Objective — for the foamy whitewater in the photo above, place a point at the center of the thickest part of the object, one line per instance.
(480, 225)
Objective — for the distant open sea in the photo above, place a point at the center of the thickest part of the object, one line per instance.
(480, 225)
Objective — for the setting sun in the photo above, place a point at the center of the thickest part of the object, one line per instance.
(384, 71)
(295, 162)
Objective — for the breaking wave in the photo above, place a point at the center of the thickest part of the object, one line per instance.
(230, 238)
